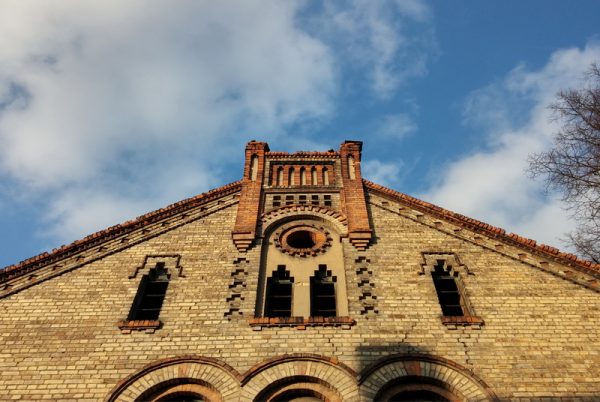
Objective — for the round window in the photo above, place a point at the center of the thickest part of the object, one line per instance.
(302, 240)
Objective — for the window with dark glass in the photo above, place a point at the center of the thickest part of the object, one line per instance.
(447, 290)
(322, 293)
(151, 294)
(279, 293)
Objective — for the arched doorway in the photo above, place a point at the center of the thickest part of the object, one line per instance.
(417, 389)
(421, 377)
(299, 389)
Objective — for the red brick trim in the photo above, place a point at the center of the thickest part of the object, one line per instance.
(303, 154)
(300, 208)
(462, 320)
(295, 357)
(309, 385)
(302, 322)
(422, 357)
(126, 382)
(27, 266)
(352, 195)
(127, 326)
(248, 211)
(584, 266)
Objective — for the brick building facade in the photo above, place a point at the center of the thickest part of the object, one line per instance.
(303, 281)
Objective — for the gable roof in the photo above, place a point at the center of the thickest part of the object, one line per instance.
(30, 265)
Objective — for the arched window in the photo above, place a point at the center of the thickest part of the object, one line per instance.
(291, 178)
(418, 396)
(280, 176)
(302, 176)
(325, 176)
(305, 286)
(322, 293)
(279, 294)
(351, 168)
(447, 290)
(182, 397)
(313, 176)
(253, 167)
(150, 295)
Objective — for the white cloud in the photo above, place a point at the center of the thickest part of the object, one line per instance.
(379, 38)
(492, 185)
(98, 98)
(396, 126)
(110, 109)
(384, 173)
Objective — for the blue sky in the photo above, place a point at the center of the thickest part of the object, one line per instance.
(109, 110)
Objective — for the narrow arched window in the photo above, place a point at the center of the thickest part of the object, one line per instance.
(313, 176)
(280, 176)
(278, 301)
(151, 294)
(302, 176)
(325, 176)
(447, 290)
(253, 167)
(291, 178)
(351, 168)
(322, 293)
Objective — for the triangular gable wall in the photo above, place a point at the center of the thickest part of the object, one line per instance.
(114, 239)
(544, 257)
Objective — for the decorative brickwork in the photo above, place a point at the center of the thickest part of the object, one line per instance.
(63, 314)
(318, 239)
(250, 198)
(368, 297)
(491, 231)
(237, 288)
(353, 196)
(464, 386)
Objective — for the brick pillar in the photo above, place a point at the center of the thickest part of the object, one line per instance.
(250, 197)
(354, 204)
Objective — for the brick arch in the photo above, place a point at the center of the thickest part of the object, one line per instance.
(428, 369)
(221, 380)
(287, 213)
(303, 368)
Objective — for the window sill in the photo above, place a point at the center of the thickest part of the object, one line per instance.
(139, 325)
(301, 323)
(462, 320)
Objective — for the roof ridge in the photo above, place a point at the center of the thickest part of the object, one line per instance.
(119, 229)
(475, 224)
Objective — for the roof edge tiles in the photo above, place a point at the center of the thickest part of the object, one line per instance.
(11, 271)
(487, 229)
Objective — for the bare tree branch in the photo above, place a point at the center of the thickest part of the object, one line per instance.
(572, 166)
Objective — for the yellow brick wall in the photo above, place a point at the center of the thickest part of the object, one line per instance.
(60, 338)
